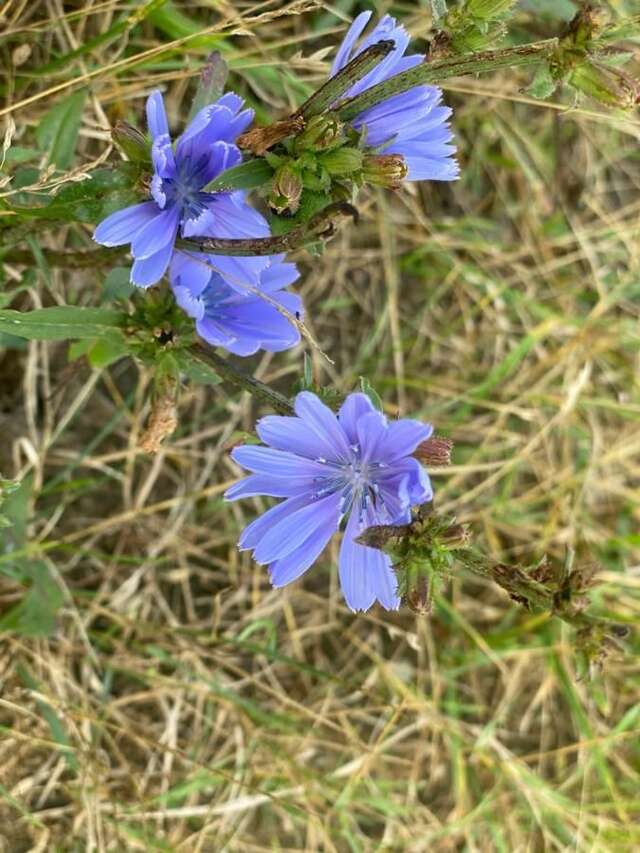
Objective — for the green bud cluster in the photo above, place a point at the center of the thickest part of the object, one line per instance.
(326, 157)
(476, 25)
(586, 61)
(421, 552)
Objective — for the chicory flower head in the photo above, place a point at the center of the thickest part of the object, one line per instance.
(240, 322)
(179, 202)
(354, 466)
(413, 124)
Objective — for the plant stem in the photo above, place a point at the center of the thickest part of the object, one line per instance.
(71, 259)
(434, 72)
(321, 226)
(337, 85)
(243, 380)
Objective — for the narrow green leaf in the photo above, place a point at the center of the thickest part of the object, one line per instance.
(210, 84)
(438, 10)
(195, 370)
(543, 85)
(117, 285)
(58, 130)
(367, 388)
(107, 350)
(63, 322)
(247, 176)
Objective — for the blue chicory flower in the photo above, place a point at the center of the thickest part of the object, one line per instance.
(241, 322)
(179, 203)
(355, 466)
(413, 124)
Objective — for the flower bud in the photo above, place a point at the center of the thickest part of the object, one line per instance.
(342, 162)
(320, 132)
(385, 170)
(610, 86)
(132, 142)
(286, 190)
(453, 537)
(434, 451)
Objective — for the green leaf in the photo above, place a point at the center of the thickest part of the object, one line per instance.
(117, 285)
(543, 85)
(310, 203)
(196, 370)
(63, 322)
(107, 350)
(58, 130)
(106, 191)
(438, 10)
(35, 615)
(372, 394)
(210, 84)
(247, 176)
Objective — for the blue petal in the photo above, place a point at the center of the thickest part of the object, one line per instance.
(372, 433)
(332, 441)
(292, 531)
(254, 532)
(259, 484)
(290, 568)
(288, 433)
(122, 226)
(147, 271)
(164, 164)
(190, 270)
(354, 407)
(366, 574)
(403, 437)
(157, 234)
(192, 305)
(354, 32)
(278, 276)
(266, 460)
(156, 115)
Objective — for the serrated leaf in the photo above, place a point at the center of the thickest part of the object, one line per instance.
(58, 130)
(246, 176)
(62, 322)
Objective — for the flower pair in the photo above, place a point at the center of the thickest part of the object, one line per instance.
(242, 303)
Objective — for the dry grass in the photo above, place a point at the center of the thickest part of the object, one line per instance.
(181, 703)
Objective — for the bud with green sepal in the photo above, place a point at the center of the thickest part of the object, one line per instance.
(385, 170)
(611, 86)
(133, 143)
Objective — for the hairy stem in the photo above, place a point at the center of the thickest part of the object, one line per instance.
(336, 86)
(238, 377)
(435, 72)
(319, 227)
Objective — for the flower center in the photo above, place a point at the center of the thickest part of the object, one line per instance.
(355, 479)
